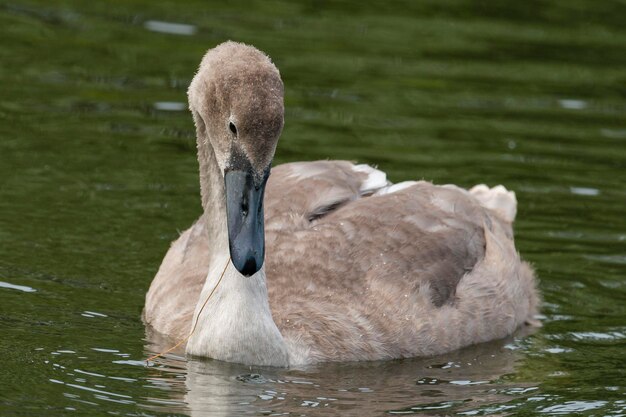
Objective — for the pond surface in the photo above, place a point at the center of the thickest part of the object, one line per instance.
(98, 174)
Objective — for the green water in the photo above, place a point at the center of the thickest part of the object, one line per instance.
(98, 174)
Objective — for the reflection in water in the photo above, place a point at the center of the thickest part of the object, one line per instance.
(584, 191)
(22, 288)
(170, 106)
(573, 104)
(459, 382)
(169, 27)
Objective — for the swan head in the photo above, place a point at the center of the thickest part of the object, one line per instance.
(236, 99)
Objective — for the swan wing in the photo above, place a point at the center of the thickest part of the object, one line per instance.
(301, 192)
(332, 225)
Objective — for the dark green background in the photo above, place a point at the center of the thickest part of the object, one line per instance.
(95, 181)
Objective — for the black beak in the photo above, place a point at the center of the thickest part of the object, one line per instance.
(244, 210)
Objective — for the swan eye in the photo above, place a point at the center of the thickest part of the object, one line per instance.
(232, 128)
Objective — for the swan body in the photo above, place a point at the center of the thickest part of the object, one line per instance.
(355, 268)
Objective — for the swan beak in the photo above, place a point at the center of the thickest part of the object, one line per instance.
(244, 212)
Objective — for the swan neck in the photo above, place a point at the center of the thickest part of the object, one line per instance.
(234, 320)
(213, 196)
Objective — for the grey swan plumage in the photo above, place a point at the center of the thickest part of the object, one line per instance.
(356, 268)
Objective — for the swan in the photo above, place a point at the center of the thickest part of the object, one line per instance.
(356, 268)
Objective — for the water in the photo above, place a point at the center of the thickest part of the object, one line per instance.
(98, 175)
